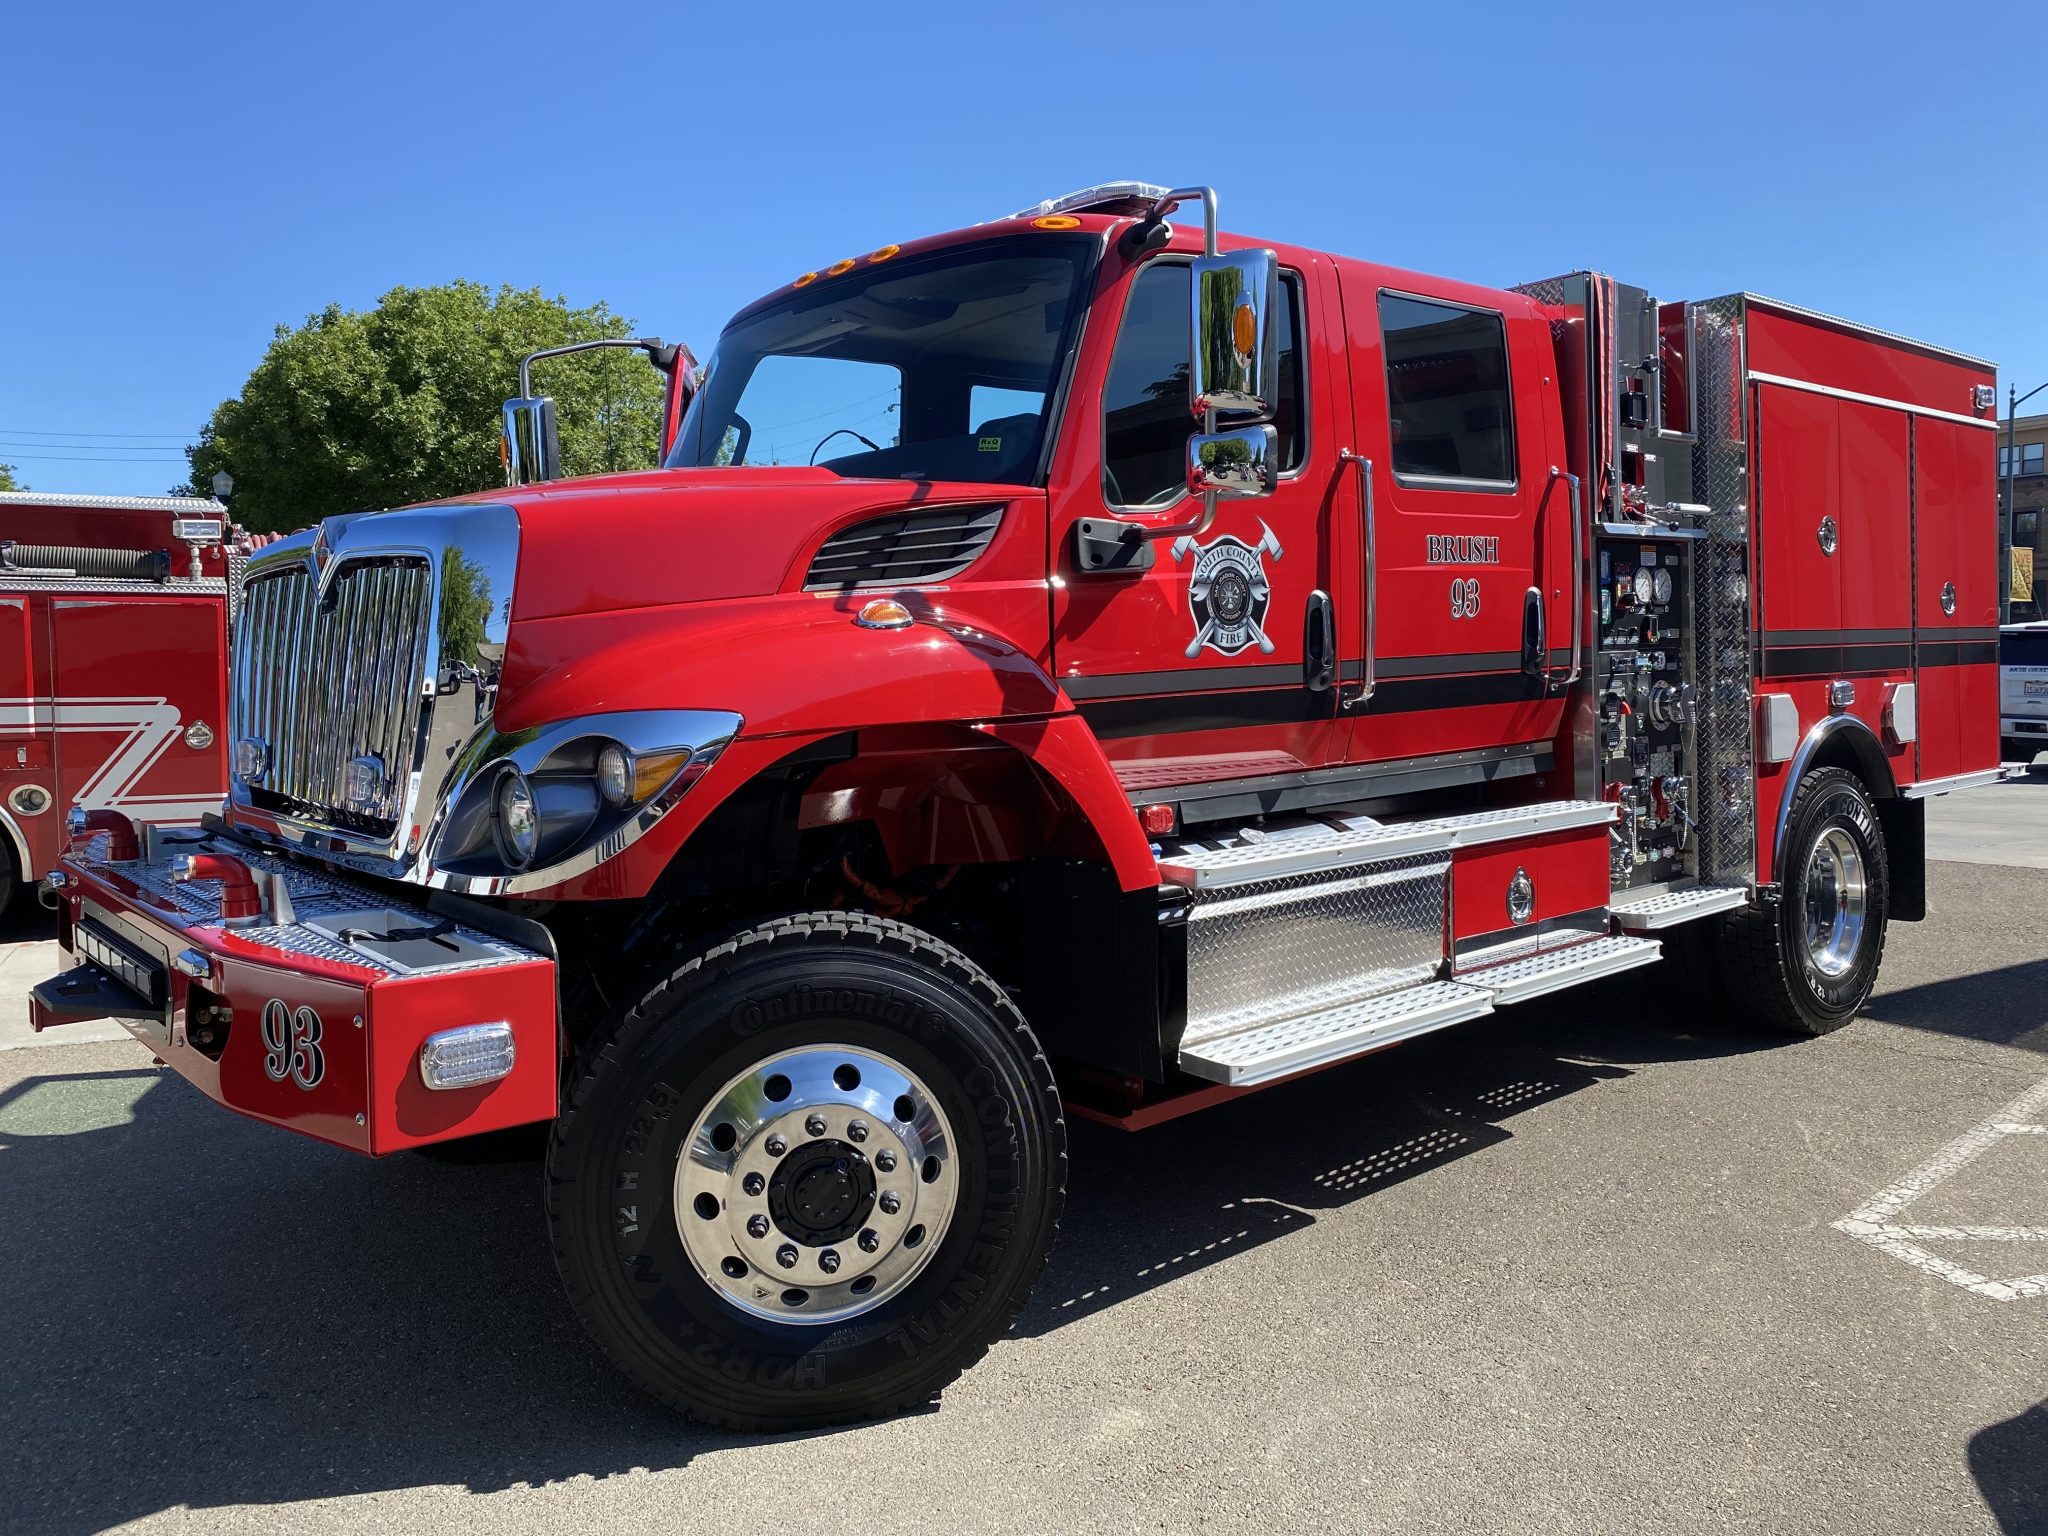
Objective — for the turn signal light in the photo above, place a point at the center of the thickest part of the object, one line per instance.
(467, 1057)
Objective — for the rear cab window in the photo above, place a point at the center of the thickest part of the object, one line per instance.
(1449, 401)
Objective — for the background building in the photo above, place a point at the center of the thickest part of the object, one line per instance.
(2029, 510)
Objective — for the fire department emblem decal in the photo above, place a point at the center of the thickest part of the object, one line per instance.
(1229, 593)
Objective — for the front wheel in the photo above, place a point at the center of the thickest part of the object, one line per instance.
(811, 1176)
(1807, 962)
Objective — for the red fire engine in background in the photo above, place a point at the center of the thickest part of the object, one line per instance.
(1075, 665)
(115, 616)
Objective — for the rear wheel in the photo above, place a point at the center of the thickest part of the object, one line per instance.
(1807, 962)
(811, 1176)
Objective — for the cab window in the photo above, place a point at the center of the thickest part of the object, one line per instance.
(1146, 422)
(1447, 392)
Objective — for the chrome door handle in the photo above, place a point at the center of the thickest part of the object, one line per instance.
(1578, 566)
(1371, 576)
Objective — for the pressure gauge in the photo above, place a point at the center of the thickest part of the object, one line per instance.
(1645, 587)
(1663, 585)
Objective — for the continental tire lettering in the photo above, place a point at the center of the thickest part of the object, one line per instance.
(753, 1015)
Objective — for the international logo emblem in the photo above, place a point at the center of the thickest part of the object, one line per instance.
(1228, 594)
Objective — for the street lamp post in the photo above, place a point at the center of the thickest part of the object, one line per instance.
(2013, 401)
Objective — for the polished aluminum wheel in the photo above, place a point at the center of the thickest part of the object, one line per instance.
(816, 1184)
(1835, 902)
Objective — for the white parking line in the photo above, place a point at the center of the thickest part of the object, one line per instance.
(1873, 1222)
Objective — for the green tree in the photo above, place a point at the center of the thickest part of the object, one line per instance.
(7, 480)
(376, 408)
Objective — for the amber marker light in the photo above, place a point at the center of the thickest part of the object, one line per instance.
(805, 281)
(1245, 329)
(837, 267)
(885, 253)
(883, 613)
(1056, 221)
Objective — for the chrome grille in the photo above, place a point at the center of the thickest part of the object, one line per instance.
(322, 683)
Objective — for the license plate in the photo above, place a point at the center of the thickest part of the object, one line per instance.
(2037, 688)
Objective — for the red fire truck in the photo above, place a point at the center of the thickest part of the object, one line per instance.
(114, 658)
(1077, 665)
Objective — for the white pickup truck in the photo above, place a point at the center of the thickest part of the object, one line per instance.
(2023, 691)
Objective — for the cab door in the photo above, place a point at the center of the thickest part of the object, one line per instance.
(1212, 655)
(1472, 582)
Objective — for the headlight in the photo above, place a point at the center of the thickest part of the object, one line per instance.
(518, 826)
(615, 774)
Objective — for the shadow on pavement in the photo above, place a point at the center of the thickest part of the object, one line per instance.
(203, 1311)
(2010, 1462)
(1147, 1208)
(2005, 1006)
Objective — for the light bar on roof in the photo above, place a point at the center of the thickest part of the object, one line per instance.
(1124, 197)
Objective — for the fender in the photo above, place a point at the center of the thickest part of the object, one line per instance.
(797, 676)
(24, 864)
(1837, 739)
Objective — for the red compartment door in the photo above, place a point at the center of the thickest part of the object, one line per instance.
(133, 678)
(1955, 518)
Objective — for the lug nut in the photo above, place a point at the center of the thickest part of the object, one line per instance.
(777, 1146)
(891, 1202)
(757, 1226)
(815, 1125)
(786, 1255)
(886, 1161)
(753, 1184)
(869, 1240)
(828, 1261)
(857, 1131)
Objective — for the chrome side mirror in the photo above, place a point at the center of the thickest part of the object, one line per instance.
(1244, 461)
(1234, 362)
(533, 445)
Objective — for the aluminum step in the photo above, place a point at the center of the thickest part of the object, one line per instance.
(1260, 1054)
(1515, 981)
(1641, 914)
(1255, 855)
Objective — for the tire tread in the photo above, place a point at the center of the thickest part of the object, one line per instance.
(886, 934)
(1756, 958)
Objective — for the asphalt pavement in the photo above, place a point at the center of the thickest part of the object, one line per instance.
(1591, 1265)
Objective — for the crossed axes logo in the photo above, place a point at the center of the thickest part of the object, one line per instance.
(1229, 594)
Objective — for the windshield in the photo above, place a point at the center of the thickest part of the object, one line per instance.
(939, 367)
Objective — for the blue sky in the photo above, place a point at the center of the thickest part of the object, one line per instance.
(178, 180)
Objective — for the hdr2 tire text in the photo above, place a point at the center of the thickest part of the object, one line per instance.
(1808, 962)
(810, 1177)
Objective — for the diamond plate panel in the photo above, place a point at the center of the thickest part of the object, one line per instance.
(1281, 948)
(314, 893)
(1726, 799)
(1324, 849)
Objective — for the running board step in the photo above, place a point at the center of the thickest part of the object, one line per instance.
(1641, 914)
(1253, 856)
(1317, 1039)
(1515, 981)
